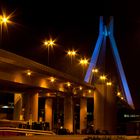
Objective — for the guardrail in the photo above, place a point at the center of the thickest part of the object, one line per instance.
(18, 131)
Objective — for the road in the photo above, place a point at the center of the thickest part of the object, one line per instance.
(66, 137)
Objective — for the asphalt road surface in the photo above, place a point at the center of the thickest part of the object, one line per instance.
(66, 137)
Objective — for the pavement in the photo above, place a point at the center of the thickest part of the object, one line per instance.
(68, 137)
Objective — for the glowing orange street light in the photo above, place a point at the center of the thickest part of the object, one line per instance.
(83, 62)
(71, 54)
(109, 83)
(48, 44)
(52, 43)
(102, 77)
(94, 73)
(95, 70)
(4, 20)
(118, 93)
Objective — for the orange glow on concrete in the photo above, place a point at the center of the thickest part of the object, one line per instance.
(43, 83)
(18, 78)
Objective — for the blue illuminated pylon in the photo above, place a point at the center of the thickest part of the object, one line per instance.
(105, 31)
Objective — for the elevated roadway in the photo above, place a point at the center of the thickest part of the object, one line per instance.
(13, 76)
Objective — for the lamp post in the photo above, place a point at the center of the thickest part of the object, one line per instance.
(83, 62)
(102, 77)
(94, 73)
(71, 54)
(49, 44)
(4, 21)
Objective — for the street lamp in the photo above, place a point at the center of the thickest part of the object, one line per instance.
(102, 78)
(49, 44)
(95, 70)
(109, 83)
(71, 54)
(4, 20)
(118, 93)
(83, 62)
(94, 73)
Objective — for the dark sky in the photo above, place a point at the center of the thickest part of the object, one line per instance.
(74, 25)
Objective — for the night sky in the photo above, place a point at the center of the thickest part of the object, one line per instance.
(73, 25)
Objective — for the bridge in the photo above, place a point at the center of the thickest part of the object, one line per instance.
(29, 81)
(43, 82)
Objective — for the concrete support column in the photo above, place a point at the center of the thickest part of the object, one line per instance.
(48, 111)
(31, 106)
(105, 108)
(110, 109)
(68, 113)
(99, 107)
(83, 113)
(17, 106)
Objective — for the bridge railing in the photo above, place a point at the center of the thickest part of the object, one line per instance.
(5, 131)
